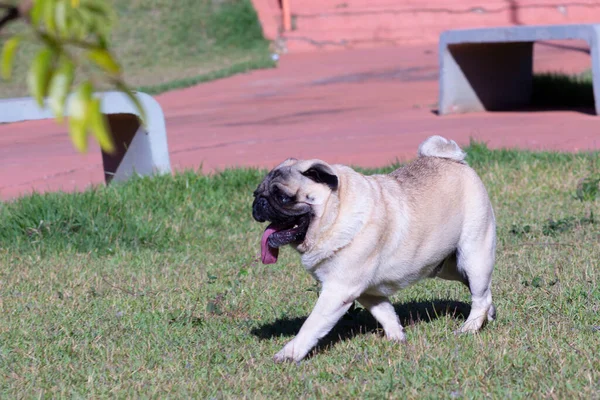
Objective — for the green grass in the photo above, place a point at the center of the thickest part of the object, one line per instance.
(238, 68)
(561, 90)
(165, 45)
(152, 289)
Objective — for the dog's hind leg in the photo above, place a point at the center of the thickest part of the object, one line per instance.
(383, 311)
(475, 262)
(449, 271)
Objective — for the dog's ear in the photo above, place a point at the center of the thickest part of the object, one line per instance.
(322, 173)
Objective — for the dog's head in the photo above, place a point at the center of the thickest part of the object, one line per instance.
(290, 197)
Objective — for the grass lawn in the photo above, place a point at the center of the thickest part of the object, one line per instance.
(167, 44)
(561, 90)
(152, 289)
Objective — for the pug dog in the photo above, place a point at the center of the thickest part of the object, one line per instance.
(365, 237)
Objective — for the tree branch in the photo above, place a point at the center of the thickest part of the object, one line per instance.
(12, 13)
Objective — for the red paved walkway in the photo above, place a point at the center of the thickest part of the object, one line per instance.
(363, 107)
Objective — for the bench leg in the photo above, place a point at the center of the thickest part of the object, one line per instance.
(595, 53)
(485, 76)
(133, 153)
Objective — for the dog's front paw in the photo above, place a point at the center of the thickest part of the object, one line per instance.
(396, 335)
(471, 326)
(281, 356)
(290, 352)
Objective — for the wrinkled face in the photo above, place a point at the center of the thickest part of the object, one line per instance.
(288, 198)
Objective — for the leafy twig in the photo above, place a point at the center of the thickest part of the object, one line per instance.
(12, 13)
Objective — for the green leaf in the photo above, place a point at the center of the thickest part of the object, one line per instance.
(36, 12)
(103, 59)
(77, 29)
(60, 15)
(60, 85)
(99, 126)
(101, 11)
(99, 7)
(123, 88)
(40, 73)
(8, 54)
(79, 106)
(87, 19)
(102, 41)
(102, 15)
(48, 15)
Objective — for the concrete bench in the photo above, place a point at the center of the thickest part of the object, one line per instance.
(138, 150)
(492, 68)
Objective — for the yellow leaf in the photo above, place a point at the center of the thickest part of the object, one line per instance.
(77, 130)
(60, 84)
(8, 54)
(99, 127)
(75, 3)
(79, 106)
(103, 59)
(39, 75)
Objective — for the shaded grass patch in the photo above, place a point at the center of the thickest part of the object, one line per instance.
(155, 213)
(561, 90)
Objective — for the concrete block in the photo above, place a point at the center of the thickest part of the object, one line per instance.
(492, 68)
(140, 150)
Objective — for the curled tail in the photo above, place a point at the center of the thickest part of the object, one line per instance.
(437, 146)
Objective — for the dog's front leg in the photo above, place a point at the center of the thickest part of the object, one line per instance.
(332, 304)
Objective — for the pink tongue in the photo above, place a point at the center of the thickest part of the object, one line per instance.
(268, 254)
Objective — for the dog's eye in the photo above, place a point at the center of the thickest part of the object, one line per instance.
(284, 198)
(281, 196)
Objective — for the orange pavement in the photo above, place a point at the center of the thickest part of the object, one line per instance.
(364, 107)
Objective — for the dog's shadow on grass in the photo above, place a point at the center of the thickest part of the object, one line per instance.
(358, 321)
